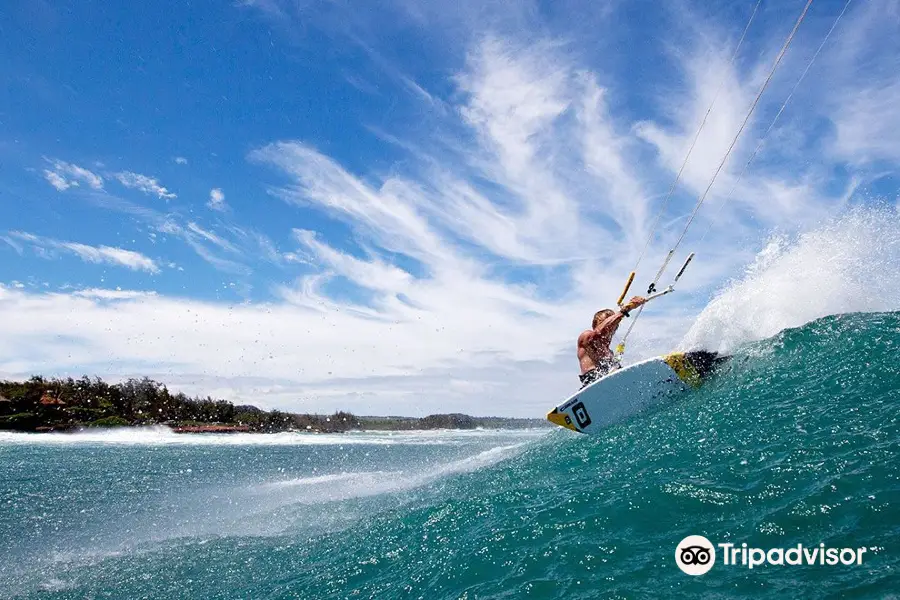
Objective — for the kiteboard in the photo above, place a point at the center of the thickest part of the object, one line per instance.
(629, 390)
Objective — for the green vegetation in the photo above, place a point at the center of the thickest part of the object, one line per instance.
(63, 404)
(109, 422)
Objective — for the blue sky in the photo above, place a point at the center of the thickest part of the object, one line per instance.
(408, 208)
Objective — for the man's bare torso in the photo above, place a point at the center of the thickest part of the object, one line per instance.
(593, 344)
(593, 350)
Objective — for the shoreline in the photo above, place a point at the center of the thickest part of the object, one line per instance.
(236, 429)
(41, 405)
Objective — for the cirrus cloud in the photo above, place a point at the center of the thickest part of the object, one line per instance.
(94, 254)
(143, 183)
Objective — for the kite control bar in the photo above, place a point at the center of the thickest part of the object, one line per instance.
(652, 287)
(651, 291)
(651, 294)
(625, 291)
(668, 290)
(683, 267)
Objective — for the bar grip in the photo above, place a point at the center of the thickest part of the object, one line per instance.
(627, 287)
(684, 266)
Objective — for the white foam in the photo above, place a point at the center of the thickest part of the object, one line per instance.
(319, 489)
(852, 264)
(333, 477)
(153, 436)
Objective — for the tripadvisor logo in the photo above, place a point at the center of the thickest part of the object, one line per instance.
(696, 555)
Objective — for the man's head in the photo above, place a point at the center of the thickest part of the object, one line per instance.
(600, 316)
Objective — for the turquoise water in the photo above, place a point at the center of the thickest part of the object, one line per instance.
(795, 442)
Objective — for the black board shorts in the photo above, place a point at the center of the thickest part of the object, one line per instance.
(604, 368)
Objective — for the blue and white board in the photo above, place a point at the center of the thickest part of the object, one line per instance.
(625, 392)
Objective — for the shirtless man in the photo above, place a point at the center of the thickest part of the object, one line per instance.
(594, 355)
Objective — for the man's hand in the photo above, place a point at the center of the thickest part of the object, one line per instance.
(634, 303)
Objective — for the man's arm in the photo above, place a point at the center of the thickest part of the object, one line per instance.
(632, 304)
(586, 337)
(607, 329)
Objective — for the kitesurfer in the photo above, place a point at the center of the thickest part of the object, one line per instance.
(594, 354)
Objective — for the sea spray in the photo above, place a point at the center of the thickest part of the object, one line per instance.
(851, 264)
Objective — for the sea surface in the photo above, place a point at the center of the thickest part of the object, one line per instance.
(796, 441)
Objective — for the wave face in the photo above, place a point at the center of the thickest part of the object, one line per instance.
(795, 442)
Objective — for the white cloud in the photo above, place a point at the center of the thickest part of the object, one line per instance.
(209, 236)
(143, 183)
(65, 175)
(375, 274)
(516, 95)
(110, 255)
(861, 102)
(116, 294)
(94, 254)
(257, 244)
(180, 160)
(866, 124)
(13, 244)
(58, 181)
(269, 7)
(216, 199)
(195, 236)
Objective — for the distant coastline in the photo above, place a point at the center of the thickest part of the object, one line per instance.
(55, 405)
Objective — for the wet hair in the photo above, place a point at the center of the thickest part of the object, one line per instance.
(600, 316)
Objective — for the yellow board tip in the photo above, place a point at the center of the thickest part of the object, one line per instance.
(561, 419)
